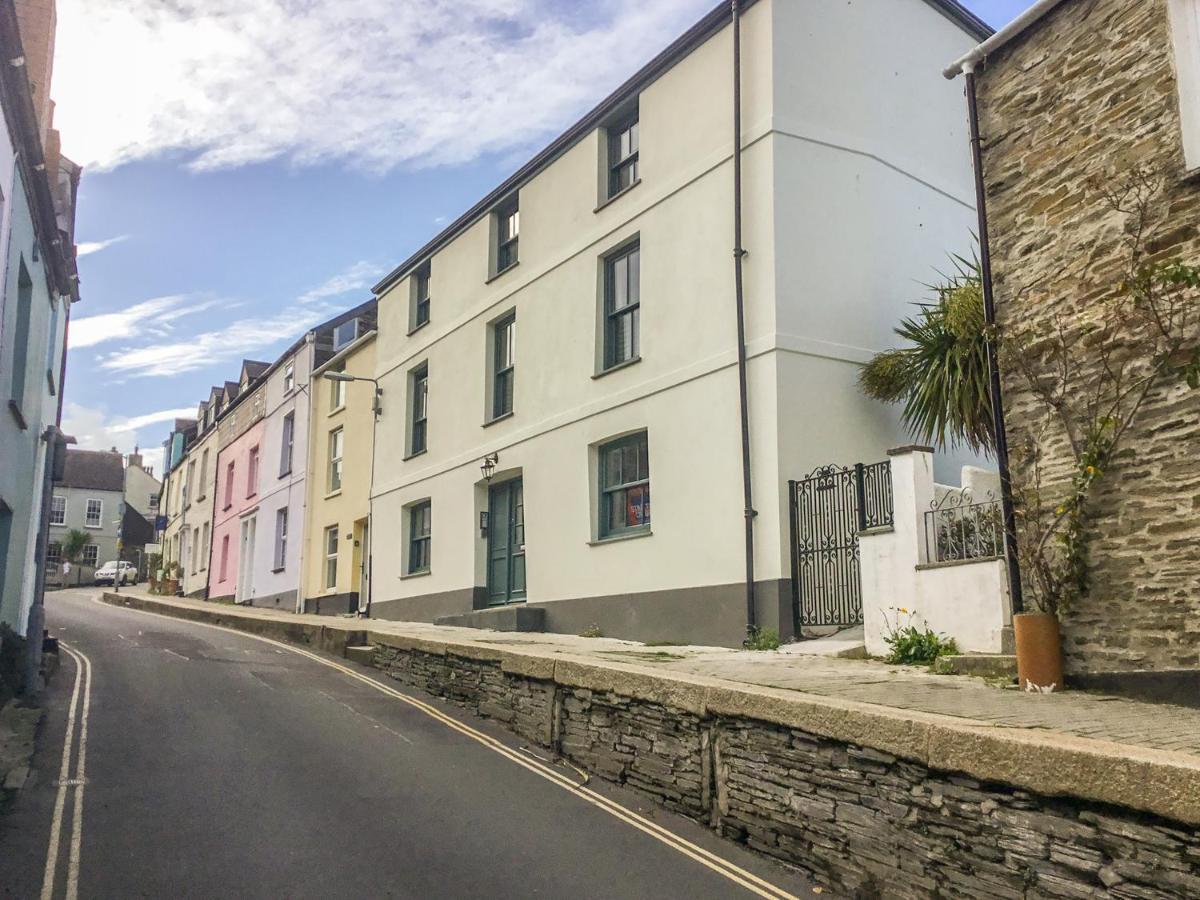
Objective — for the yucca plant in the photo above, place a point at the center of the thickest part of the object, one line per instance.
(940, 374)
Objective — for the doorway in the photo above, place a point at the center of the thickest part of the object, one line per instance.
(244, 589)
(506, 543)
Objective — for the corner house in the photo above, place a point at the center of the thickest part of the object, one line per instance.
(578, 328)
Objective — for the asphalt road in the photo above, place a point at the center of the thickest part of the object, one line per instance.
(210, 764)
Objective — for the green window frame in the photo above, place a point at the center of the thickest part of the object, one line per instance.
(420, 540)
(622, 306)
(421, 298)
(419, 426)
(504, 360)
(622, 155)
(508, 234)
(625, 485)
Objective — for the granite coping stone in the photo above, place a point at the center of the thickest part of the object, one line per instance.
(1162, 782)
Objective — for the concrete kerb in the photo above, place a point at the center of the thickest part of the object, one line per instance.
(1154, 781)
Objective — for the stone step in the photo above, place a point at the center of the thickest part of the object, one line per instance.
(502, 618)
(984, 665)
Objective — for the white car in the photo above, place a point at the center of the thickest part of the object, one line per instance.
(117, 573)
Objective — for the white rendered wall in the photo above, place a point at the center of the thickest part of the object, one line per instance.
(967, 601)
(275, 491)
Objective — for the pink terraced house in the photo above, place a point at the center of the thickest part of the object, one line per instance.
(239, 464)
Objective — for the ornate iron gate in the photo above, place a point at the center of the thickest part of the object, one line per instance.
(828, 510)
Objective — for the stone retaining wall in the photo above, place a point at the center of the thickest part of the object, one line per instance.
(870, 801)
(860, 820)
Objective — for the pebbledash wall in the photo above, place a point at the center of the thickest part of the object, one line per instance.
(1069, 107)
(856, 186)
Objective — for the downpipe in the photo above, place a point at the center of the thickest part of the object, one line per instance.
(739, 254)
(989, 312)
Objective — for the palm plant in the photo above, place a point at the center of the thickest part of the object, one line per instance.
(940, 375)
(72, 548)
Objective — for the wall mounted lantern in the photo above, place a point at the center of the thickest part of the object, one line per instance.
(489, 466)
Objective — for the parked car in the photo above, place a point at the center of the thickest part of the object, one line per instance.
(117, 573)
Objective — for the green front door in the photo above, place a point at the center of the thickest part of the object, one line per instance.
(506, 543)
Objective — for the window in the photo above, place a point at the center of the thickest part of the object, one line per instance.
(204, 546)
(418, 404)
(337, 395)
(508, 232)
(289, 378)
(331, 554)
(335, 460)
(189, 485)
(252, 474)
(1185, 33)
(58, 510)
(622, 154)
(224, 557)
(229, 485)
(281, 524)
(195, 549)
(91, 555)
(95, 513)
(420, 307)
(20, 351)
(52, 343)
(54, 558)
(345, 333)
(285, 444)
(153, 503)
(622, 299)
(418, 538)
(203, 491)
(504, 338)
(624, 485)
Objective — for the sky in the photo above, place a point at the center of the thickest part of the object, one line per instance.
(251, 167)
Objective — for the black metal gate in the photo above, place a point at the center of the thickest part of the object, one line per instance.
(828, 510)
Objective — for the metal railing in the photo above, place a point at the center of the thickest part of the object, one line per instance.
(873, 484)
(957, 528)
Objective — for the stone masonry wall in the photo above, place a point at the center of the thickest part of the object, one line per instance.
(1089, 93)
(866, 823)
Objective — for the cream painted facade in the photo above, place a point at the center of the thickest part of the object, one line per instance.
(345, 509)
(856, 185)
(187, 504)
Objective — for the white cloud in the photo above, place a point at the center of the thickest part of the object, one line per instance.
(89, 247)
(95, 429)
(153, 317)
(376, 83)
(239, 339)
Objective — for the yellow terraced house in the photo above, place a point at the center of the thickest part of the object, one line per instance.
(340, 434)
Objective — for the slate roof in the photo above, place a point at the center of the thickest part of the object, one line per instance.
(100, 470)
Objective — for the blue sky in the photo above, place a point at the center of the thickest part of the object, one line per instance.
(252, 166)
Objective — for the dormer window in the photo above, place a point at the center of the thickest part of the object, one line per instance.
(344, 334)
(508, 233)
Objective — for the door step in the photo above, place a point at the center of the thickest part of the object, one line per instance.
(502, 618)
(984, 665)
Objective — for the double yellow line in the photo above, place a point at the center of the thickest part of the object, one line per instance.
(748, 880)
(82, 690)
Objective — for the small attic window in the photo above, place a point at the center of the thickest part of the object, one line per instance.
(345, 333)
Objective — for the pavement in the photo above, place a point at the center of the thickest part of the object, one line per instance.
(1100, 717)
(204, 763)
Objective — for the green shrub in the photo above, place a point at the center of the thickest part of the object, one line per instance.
(592, 631)
(910, 646)
(762, 639)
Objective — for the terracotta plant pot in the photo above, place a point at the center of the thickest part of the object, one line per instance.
(1039, 652)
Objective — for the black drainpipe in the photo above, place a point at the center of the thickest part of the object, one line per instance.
(989, 312)
(738, 254)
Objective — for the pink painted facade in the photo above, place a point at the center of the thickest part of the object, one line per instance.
(235, 521)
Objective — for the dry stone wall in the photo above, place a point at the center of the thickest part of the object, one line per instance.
(866, 823)
(1067, 110)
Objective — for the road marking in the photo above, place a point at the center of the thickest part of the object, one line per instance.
(82, 688)
(718, 864)
(173, 653)
(81, 775)
(64, 772)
